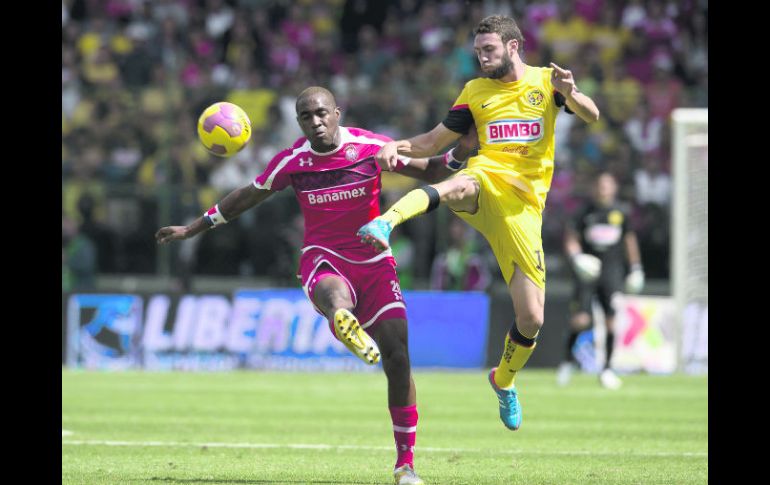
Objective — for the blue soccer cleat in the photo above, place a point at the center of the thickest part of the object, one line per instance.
(376, 233)
(510, 411)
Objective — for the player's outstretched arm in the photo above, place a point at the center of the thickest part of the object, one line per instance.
(435, 169)
(424, 145)
(234, 203)
(577, 102)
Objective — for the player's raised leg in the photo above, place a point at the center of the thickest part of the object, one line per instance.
(528, 303)
(459, 192)
(391, 335)
(332, 296)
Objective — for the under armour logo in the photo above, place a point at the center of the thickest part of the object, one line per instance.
(306, 161)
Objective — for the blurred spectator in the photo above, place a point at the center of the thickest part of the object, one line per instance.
(664, 93)
(98, 233)
(609, 37)
(590, 10)
(70, 82)
(299, 31)
(535, 14)
(638, 56)
(565, 34)
(219, 18)
(136, 67)
(658, 27)
(634, 14)
(653, 186)
(621, 93)
(369, 57)
(460, 267)
(78, 256)
(99, 68)
(644, 130)
(172, 10)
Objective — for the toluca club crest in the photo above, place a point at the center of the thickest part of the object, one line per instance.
(351, 154)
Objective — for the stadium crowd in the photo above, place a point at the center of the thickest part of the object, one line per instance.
(136, 74)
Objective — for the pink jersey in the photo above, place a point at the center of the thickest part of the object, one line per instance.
(338, 191)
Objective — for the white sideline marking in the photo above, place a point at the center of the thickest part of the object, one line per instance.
(301, 446)
(65, 432)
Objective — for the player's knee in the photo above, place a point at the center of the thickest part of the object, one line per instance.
(458, 189)
(396, 362)
(461, 196)
(333, 299)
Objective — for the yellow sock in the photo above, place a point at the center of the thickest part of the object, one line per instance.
(514, 357)
(412, 204)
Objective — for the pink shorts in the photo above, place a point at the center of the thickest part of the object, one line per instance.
(374, 286)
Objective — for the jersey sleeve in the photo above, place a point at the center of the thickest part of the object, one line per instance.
(561, 101)
(459, 118)
(275, 176)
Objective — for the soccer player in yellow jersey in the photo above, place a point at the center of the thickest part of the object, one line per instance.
(502, 191)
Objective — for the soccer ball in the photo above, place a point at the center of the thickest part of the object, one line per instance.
(224, 129)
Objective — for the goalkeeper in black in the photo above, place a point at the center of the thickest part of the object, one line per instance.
(604, 255)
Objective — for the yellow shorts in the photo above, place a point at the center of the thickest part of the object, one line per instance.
(511, 224)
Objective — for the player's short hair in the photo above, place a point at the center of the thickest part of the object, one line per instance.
(501, 25)
(313, 90)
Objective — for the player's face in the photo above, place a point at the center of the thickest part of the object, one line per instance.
(319, 120)
(606, 189)
(493, 56)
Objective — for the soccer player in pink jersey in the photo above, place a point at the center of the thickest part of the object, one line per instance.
(337, 183)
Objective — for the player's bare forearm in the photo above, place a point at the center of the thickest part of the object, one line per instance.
(233, 205)
(583, 106)
(240, 200)
(420, 146)
(428, 144)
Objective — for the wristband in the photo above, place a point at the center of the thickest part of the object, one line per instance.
(213, 217)
(451, 162)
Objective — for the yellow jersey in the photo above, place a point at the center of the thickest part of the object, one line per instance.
(515, 124)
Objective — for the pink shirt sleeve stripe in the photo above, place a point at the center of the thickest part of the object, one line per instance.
(278, 163)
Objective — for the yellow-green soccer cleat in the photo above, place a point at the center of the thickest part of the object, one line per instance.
(354, 337)
(405, 475)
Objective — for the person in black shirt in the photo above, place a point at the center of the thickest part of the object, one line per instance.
(598, 242)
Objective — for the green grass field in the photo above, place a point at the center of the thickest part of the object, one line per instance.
(300, 428)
